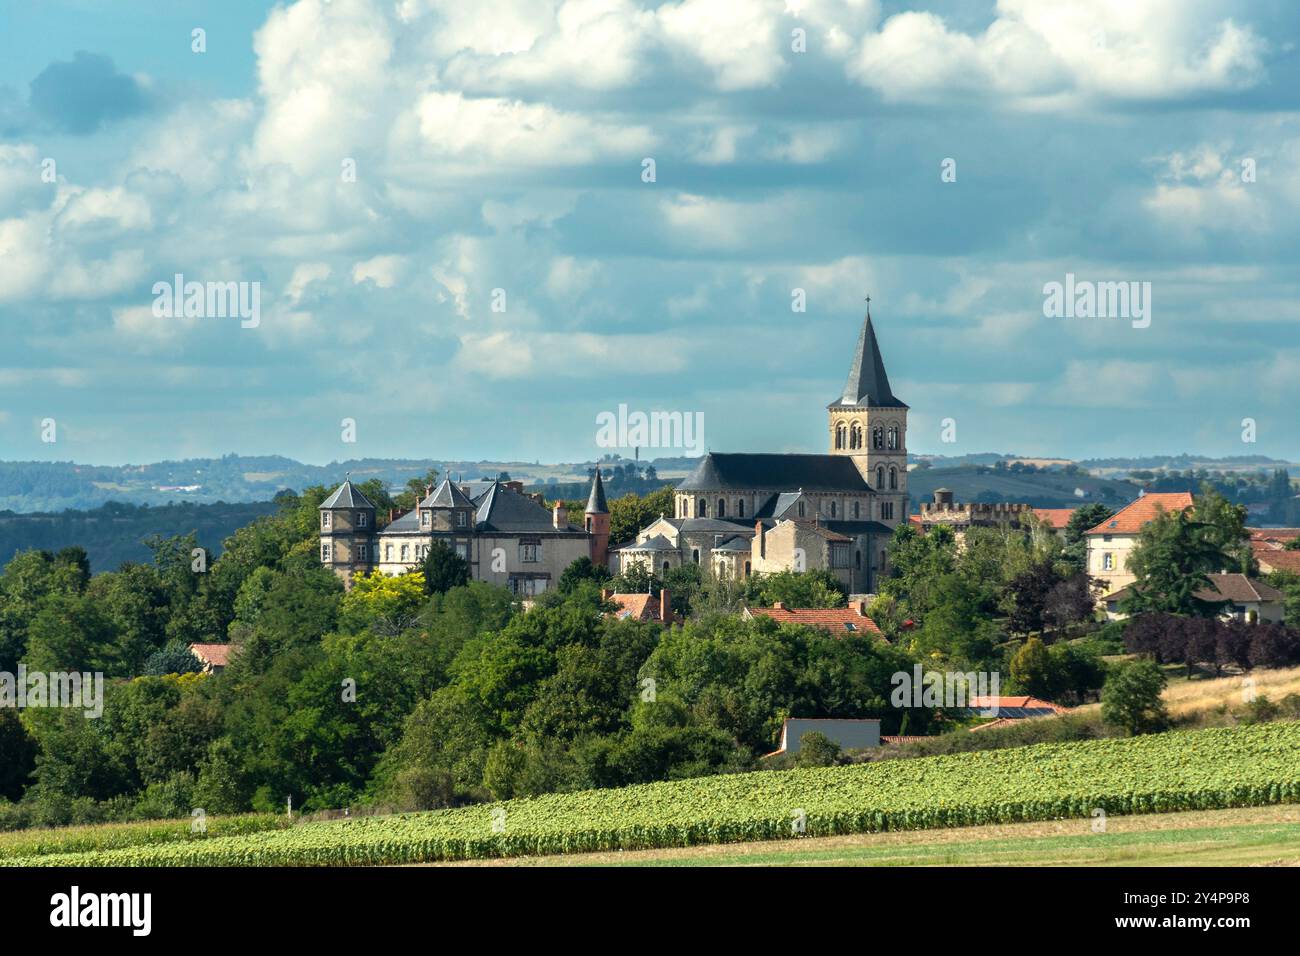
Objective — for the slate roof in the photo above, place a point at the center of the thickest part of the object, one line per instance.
(447, 495)
(738, 543)
(867, 384)
(502, 509)
(404, 524)
(596, 500)
(1236, 588)
(657, 543)
(1132, 517)
(725, 471)
(346, 495)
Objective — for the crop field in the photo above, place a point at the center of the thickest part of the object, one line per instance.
(1195, 770)
(112, 836)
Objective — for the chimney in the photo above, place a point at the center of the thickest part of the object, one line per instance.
(605, 594)
(859, 607)
(559, 517)
(759, 540)
(665, 606)
(778, 606)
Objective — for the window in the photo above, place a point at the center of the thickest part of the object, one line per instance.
(528, 553)
(722, 508)
(325, 551)
(886, 511)
(855, 436)
(462, 549)
(363, 519)
(406, 552)
(893, 437)
(665, 567)
(363, 552)
(856, 512)
(740, 507)
(878, 437)
(1108, 562)
(893, 477)
(850, 626)
(746, 569)
(388, 552)
(839, 435)
(701, 509)
(880, 476)
(801, 509)
(461, 518)
(839, 556)
(857, 559)
(695, 555)
(325, 517)
(832, 509)
(426, 519)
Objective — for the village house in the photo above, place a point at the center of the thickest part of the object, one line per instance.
(837, 620)
(1112, 541)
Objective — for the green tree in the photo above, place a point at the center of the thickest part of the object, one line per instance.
(817, 750)
(1131, 699)
(1082, 520)
(443, 569)
(1171, 564)
(1031, 669)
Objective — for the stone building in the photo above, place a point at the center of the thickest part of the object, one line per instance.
(960, 516)
(740, 513)
(507, 537)
(1111, 542)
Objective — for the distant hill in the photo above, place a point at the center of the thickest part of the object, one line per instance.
(1042, 489)
(114, 533)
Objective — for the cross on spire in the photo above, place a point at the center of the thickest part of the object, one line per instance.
(868, 306)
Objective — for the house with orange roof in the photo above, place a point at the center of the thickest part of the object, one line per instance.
(1112, 541)
(837, 620)
(641, 607)
(1054, 518)
(213, 657)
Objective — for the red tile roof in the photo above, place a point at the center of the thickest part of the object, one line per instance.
(1281, 535)
(830, 619)
(218, 655)
(1131, 518)
(1012, 703)
(639, 607)
(1272, 558)
(1057, 518)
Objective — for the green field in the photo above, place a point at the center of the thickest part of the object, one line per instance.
(1200, 770)
(1249, 836)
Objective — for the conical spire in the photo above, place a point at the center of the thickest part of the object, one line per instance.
(596, 500)
(868, 385)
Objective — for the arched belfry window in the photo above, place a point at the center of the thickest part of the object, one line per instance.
(855, 436)
(878, 437)
(839, 435)
(893, 477)
(893, 437)
(880, 476)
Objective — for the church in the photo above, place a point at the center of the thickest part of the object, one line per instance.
(737, 514)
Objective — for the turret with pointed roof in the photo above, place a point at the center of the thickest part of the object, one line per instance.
(347, 527)
(868, 384)
(597, 521)
(596, 500)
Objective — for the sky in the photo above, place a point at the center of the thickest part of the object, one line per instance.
(474, 228)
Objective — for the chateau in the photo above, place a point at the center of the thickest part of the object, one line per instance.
(737, 514)
(507, 537)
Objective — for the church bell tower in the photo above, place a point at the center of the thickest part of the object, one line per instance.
(869, 424)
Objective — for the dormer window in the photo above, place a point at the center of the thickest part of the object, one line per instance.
(801, 512)
(325, 520)
(426, 519)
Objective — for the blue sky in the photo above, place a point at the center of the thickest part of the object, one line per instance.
(500, 146)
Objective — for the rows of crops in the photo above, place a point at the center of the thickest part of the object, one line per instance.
(111, 836)
(1201, 770)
